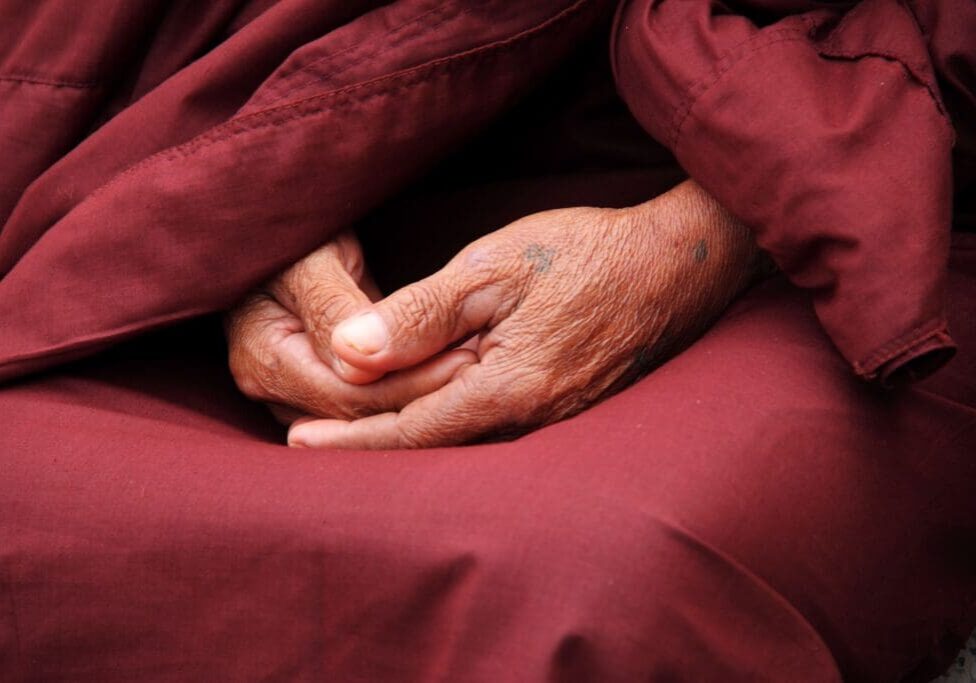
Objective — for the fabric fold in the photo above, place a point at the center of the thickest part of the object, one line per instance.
(189, 227)
(825, 132)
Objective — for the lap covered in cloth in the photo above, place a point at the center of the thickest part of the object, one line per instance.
(749, 510)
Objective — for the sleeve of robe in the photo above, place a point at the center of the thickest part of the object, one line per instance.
(158, 160)
(821, 126)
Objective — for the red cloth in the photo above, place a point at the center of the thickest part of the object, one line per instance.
(822, 127)
(262, 136)
(749, 510)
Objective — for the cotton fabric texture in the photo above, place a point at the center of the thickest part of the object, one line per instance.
(760, 507)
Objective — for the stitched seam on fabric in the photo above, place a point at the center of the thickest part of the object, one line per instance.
(899, 345)
(392, 31)
(278, 89)
(318, 77)
(828, 50)
(902, 343)
(53, 82)
(726, 63)
(265, 118)
(915, 69)
(855, 56)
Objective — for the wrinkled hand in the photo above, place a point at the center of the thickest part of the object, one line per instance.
(568, 306)
(280, 350)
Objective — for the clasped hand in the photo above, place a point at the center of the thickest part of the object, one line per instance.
(525, 326)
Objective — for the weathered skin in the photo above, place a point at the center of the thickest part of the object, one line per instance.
(562, 308)
(280, 350)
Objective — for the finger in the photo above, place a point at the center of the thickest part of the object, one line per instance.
(258, 312)
(368, 284)
(323, 290)
(464, 410)
(284, 414)
(425, 317)
(273, 361)
(297, 378)
(375, 432)
(253, 329)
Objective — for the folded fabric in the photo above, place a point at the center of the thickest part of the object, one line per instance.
(822, 126)
(171, 166)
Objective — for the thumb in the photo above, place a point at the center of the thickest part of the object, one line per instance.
(421, 319)
(321, 291)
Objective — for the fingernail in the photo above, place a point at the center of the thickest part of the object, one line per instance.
(365, 333)
(295, 440)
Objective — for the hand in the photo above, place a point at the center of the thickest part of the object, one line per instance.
(568, 306)
(280, 349)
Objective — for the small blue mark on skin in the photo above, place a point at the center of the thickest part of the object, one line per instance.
(701, 251)
(541, 256)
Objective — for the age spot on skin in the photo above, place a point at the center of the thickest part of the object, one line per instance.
(540, 256)
(701, 251)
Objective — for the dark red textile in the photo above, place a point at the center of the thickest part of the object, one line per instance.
(749, 511)
(822, 126)
(281, 131)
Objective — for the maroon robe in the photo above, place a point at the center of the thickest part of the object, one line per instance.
(752, 509)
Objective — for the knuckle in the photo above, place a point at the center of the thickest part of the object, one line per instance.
(287, 286)
(240, 360)
(326, 304)
(484, 257)
(420, 308)
(350, 411)
(245, 379)
(313, 275)
(345, 402)
(254, 367)
(350, 254)
(490, 262)
(526, 394)
(413, 435)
